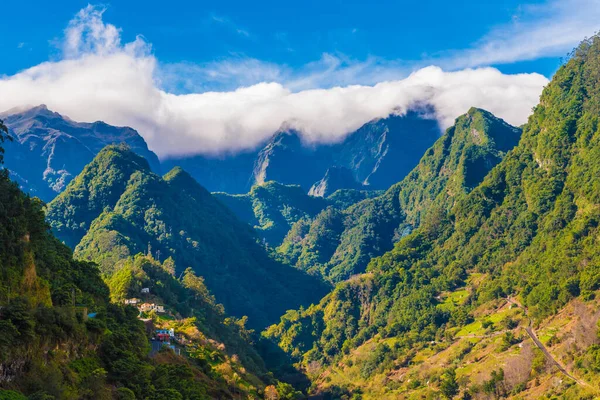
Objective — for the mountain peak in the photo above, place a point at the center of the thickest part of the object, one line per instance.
(40, 108)
(28, 112)
(181, 179)
(121, 155)
(102, 180)
(481, 127)
(50, 149)
(116, 207)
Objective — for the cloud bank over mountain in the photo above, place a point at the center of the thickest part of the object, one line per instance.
(100, 78)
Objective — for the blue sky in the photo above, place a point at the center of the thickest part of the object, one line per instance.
(222, 76)
(281, 32)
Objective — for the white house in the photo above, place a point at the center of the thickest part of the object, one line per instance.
(151, 307)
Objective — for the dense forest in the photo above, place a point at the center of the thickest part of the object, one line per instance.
(272, 208)
(117, 208)
(528, 231)
(337, 244)
(63, 338)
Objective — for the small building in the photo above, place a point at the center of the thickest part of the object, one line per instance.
(165, 335)
(146, 290)
(145, 307)
(133, 301)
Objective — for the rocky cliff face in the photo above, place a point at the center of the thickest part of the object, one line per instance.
(378, 155)
(49, 149)
(335, 178)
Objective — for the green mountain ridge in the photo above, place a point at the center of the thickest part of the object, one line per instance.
(117, 208)
(61, 338)
(476, 276)
(456, 163)
(528, 231)
(272, 208)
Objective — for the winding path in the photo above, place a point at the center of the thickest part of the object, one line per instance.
(545, 350)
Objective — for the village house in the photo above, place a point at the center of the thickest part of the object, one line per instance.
(146, 290)
(170, 333)
(146, 307)
(133, 301)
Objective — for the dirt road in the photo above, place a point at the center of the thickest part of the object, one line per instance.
(544, 349)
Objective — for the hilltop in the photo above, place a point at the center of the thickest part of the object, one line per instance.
(117, 207)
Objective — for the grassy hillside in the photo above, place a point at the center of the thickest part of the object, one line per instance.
(456, 163)
(528, 231)
(117, 208)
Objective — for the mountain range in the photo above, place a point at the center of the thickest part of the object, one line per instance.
(340, 243)
(495, 293)
(378, 154)
(273, 208)
(48, 150)
(63, 337)
(117, 207)
(473, 273)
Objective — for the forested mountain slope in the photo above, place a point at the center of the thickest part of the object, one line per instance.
(272, 208)
(117, 208)
(337, 244)
(529, 230)
(61, 338)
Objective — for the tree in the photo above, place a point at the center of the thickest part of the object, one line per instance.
(169, 266)
(271, 393)
(495, 385)
(197, 285)
(449, 386)
(3, 137)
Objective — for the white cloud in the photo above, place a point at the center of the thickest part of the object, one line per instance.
(543, 30)
(87, 34)
(101, 78)
(229, 23)
(231, 73)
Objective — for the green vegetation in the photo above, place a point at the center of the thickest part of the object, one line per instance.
(188, 298)
(455, 164)
(444, 278)
(271, 208)
(117, 208)
(529, 229)
(61, 338)
(344, 198)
